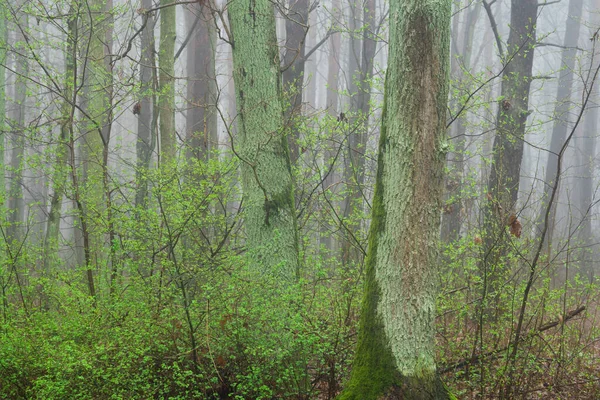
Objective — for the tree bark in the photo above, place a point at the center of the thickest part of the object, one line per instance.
(201, 121)
(511, 119)
(146, 135)
(395, 353)
(296, 27)
(270, 217)
(166, 95)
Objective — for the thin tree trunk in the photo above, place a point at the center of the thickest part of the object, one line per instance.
(561, 110)
(333, 71)
(66, 133)
(587, 145)
(360, 90)
(511, 120)
(395, 357)
(296, 27)
(15, 194)
(461, 62)
(201, 121)
(146, 135)
(166, 96)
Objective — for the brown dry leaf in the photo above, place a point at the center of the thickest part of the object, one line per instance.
(477, 240)
(515, 226)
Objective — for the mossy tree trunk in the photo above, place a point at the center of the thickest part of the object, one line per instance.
(395, 353)
(166, 96)
(268, 190)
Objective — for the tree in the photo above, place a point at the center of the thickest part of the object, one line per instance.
(360, 63)
(146, 135)
(16, 204)
(66, 136)
(270, 216)
(395, 354)
(511, 122)
(296, 27)
(587, 147)
(460, 64)
(562, 108)
(166, 82)
(201, 121)
(3, 39)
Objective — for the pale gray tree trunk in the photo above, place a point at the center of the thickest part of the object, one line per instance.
(562, 109)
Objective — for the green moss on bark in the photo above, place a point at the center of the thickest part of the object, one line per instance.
(395, 352)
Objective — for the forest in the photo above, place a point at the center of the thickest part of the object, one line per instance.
(299, 199)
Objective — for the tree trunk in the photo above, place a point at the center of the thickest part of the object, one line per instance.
(503, 185)
(461, 62)
(15, 194)
(270, 217)
(66, 132)
(296, 27)
(333, 71)
(146, 135)
(201, 121)
(95, 144)
(562, 110)
(587, 145)
(360, 91)
(3, 42)
(166, 95)
(395, 354)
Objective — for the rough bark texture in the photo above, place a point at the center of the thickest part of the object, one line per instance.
(270, 217)
(395, 354)
(146, 114)
(296, 26)
(201, 121)
(166, 97)
(511, 119)
(562, 108)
